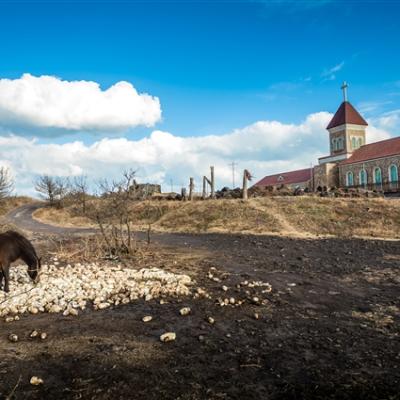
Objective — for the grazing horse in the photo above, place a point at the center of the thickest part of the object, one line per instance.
(14, 246)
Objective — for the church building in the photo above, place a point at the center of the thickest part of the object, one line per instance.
(351, 163)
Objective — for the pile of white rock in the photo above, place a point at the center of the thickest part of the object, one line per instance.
(72, 288)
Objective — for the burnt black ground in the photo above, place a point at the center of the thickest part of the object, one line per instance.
(328, 330)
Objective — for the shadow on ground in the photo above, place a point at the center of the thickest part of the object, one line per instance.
(328, 330)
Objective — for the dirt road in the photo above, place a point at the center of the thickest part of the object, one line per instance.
(22, 218)
(328, 330)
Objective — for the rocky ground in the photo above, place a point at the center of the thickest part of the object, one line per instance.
(263, 318)
(327, 327)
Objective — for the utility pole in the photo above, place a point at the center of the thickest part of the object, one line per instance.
(212, 183)
(233, 164)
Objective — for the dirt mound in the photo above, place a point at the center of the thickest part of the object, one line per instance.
(298, 216)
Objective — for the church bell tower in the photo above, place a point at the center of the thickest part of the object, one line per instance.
(346, 130)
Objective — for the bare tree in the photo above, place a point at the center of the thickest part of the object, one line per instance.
(47, 188)
(63, 186)
(6, 183)
(52, 189)
(80, 189)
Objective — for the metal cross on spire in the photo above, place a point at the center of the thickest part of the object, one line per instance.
(344, 88)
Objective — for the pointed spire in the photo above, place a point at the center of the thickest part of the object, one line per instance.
(346, 114)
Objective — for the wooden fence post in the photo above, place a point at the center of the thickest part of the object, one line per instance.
(246, 177)
(204, 188)
(244, 194)
(191, 187)
(212, 183)
(183, 194)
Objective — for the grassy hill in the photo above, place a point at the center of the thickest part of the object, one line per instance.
(291, 216)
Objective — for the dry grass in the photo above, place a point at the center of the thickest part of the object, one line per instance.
(378, 217)
(205, 216)
(13, 202)
(291, 216)
(61, 217)
(6, 206)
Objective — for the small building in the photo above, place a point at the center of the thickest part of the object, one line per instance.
(293, 179)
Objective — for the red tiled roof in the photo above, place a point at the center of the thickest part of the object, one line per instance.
(346, 114)
(286, 178)
(384, 148)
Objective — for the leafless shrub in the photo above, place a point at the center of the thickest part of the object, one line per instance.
(113, 216)
(85, 249)
(6, 183)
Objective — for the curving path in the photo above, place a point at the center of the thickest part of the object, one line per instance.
(22, 218)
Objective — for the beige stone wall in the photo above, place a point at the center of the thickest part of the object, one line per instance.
(354, 133)
(326, 175)
(346, 134)
(336, 135)
(302, 185)
(383, 163)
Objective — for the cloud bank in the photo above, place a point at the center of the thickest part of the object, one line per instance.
(49, 102)
(264, 147)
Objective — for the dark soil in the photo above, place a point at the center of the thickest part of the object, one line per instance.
(328, 330)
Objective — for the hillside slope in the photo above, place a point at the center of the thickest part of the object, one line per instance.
(290, 216)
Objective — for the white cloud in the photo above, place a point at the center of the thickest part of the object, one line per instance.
(330, 74)
(389, 120)
(49, 102)
(264, 147)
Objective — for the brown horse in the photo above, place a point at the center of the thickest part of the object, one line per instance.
(14, 246)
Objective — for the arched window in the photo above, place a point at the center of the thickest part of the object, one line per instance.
(377, 176)
(349, 179)
(360, 142)
(363, 177)
(353, 143)
(393, 173)
(333, 144)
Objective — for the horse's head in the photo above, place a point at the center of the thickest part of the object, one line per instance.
(33, 270)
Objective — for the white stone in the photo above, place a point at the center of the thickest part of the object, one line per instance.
(168, 337)
(36, 381)
(185, 311)
(12, 337)
(75, 287)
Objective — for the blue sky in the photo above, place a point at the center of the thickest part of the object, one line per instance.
(215, 66)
